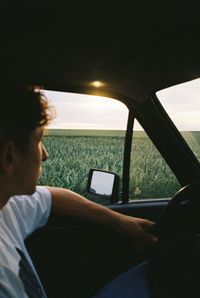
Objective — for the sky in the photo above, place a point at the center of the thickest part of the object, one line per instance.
(182, 103)
(78, 111)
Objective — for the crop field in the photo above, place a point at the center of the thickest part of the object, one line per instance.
(72, 153)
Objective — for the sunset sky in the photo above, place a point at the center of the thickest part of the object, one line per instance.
(75, 111)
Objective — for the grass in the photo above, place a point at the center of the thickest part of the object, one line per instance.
(72, 153)
(85, 132)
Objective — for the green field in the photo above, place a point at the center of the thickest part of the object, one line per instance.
(85, 132)
(72, 153)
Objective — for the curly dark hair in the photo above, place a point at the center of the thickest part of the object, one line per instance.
(22, 109)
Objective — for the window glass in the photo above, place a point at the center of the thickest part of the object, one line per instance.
(150, 176)
(87, 132)
(182, 103)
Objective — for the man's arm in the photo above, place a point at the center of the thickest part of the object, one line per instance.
(66, 202)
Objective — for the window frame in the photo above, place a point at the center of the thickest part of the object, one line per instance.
(155, 121)
(167, 139)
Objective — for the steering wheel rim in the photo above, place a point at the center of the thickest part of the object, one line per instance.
(181, 217)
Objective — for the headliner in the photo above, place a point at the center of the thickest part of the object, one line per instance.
(133, 60)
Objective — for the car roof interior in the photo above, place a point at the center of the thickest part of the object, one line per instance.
(132, 59)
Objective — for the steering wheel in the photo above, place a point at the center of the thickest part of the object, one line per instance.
(181, 217)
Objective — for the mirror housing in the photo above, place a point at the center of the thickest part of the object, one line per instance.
(104, 183)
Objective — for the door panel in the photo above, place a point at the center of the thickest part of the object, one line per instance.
(149, 209)
(74, 258)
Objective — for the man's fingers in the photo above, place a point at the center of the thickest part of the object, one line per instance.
(149, 226)
(144, 240)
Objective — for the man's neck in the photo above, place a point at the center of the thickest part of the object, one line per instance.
(4, 195)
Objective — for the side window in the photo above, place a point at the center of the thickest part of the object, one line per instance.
(87, 132)
(150, 176)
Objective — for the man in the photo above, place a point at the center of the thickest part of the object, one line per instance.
(25, 207)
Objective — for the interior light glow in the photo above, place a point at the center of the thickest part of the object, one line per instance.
(97, 84)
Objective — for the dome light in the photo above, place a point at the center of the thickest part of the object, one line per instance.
(97, 84)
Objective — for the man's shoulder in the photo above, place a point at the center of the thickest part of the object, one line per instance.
(40, 192)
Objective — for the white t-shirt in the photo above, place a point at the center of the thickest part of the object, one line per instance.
(18, 219)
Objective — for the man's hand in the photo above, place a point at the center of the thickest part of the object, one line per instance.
(139, 231)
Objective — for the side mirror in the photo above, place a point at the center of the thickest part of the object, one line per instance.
(104, 183)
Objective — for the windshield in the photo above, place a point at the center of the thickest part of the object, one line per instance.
(182, 103)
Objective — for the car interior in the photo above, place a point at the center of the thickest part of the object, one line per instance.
(75, 258)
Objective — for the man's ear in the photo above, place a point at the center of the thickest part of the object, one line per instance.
(8, 157)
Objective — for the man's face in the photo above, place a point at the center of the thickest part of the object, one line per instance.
(29, 166)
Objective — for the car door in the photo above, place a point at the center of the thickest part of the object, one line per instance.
(74, 257)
